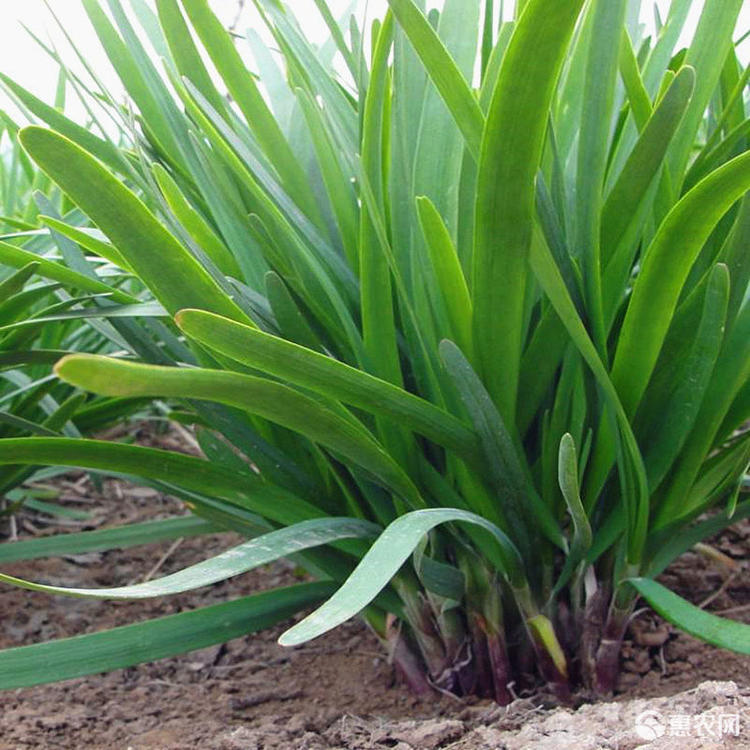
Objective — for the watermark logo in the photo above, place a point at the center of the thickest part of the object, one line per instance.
(650, 725)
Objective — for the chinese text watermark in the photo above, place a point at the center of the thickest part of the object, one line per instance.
(650, 725)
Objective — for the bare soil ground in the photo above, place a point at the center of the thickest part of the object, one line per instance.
(339, 691)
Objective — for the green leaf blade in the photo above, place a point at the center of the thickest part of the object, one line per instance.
(510, 154)
(232, 562)
(718, 631)
(665, 268)
(174, 275)
(392, 548)
(128, 645)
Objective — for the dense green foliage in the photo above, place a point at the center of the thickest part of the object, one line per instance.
(47, 308)
(502, 329)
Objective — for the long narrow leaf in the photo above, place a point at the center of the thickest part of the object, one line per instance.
(99, 540)
(328, 377)
(160, 261)
(268, 399)
(510, 154)
(240, 559)
(665, 268)
(715, 630)
(128, 645)
(383, 560)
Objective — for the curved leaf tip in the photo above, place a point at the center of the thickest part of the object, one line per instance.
(93, 372)
(183, 316)
(27, 135)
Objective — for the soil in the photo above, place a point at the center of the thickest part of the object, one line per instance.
(338, 691)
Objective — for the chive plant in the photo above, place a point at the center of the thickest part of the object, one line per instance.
(460, 319)
(46, 310)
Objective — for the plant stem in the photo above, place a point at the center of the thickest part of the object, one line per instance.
(405, 660)
(420, 617)
(501, 669)
(608, 653)
(592, 627)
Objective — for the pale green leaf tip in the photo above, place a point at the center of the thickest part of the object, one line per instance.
(182, 317)
(26, 135)
(290, 638)
(67, 368)
(60, 367)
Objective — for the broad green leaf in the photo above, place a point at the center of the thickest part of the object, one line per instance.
(441, 148)
(383, 560)
(438, 577)
(376, 296)
(550, 230)
(448, 271)
(275, 82)
(664, 270)
(670, 425)
(720, 128)
(548, 276)
(15, 282)
(443, 72)
(224, 201)
(715, 630)
(25, 303)
(175, 277)
(195, 224)
(312, 70)
(540, 362)
(714, 158)
(232, 562)
(640, 102)
(149, 21)
(731, 373)
(328, 377)
(511, 151)
(623, 210)
(130, 64)
(184, 52)
(88, 239)
(738, 413)
(245, 92)
(607, 19)
(720, 478)
(706, 54)
(128, 645)
(518, 500)
(101, 149)
(340, 190)
(174, 126)
(270, 400)
(660, 55)
(72, 255)
(337, 36)
(291, 321)
(319, 266)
